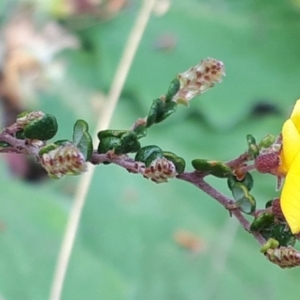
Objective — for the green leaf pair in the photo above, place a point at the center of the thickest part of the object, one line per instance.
(121, 141)
(213, 167)
(160, 110)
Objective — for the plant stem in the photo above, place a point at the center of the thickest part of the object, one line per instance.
(197, 179)
(233, 164)
(17, 145)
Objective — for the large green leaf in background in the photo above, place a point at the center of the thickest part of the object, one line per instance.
(125, 247)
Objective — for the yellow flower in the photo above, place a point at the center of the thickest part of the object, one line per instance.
(290, 166)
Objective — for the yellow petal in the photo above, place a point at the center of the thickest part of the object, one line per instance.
(283, 168)
(290, 196)
(295, 116)
(290, 142)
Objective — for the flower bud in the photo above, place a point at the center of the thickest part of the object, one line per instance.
(284, 257)
(198, 79)
(62, 160)
(160, 170)
(267, 162)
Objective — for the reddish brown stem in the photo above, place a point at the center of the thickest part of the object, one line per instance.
(197, 179)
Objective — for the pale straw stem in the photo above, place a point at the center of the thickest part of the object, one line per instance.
(103, 123)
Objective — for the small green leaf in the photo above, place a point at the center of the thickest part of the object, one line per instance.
(41, 129)
(111, 133)
(173, 89)
(168, 109)
(247, 204)
(48, 148)
(270, 244)
(62, 142)
(141, 131)
(269, 203)
(179, 162)
(244, 200)
(160, 110)
(148, 154)
(267, 141)
(202, 165)
(252, 146)
(82, 139)
(122, 141)
(239, 191)
(213, 167)
(20, 135)
(128, 143)
(247, 181)
(108, 143)
(155, 109)
(264, 220)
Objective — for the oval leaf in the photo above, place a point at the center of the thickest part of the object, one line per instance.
(82, 139)
(43, 129)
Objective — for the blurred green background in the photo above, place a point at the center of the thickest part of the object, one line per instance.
(130, 244)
